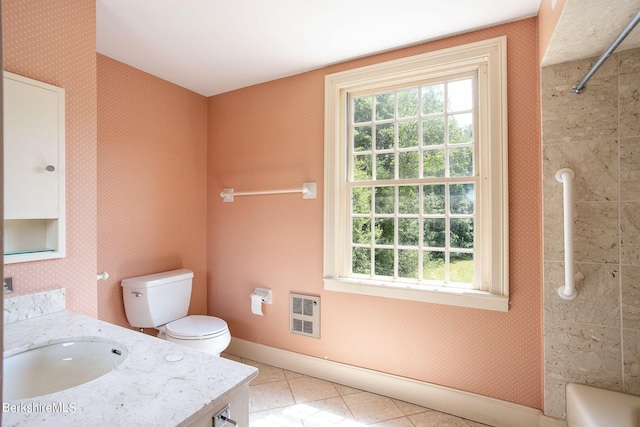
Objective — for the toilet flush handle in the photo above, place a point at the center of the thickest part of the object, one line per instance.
(137, 294)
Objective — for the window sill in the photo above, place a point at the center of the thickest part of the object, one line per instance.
(454, 297)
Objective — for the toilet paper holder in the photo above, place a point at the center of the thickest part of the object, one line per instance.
(265, 295)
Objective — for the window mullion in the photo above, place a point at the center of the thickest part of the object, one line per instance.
(421, 232)
(396, 189)
(420, 137)
(447, 236)
(372, 226)
(396, 232)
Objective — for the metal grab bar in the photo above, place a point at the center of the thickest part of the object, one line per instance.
(579, 87)
(308, 191)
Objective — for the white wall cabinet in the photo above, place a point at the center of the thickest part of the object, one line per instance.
(34, 169)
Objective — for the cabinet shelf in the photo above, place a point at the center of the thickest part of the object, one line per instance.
(31, 240)
(35, 251)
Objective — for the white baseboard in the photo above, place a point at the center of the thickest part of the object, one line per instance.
(483, 409)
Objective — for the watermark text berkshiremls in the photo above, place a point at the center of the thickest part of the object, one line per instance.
(39, 407)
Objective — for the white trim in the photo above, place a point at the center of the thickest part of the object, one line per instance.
(483, 409)
(446, 296)
(487, 57)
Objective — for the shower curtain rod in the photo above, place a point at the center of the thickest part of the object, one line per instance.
(579, 87)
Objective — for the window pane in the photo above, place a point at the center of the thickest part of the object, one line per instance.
(361, 260)
(385, 136)
(461, 267)
(411, 134)
(460, 95)
(461, 233)
(385, 198)
(408, 102)
(460, 128)
(408, 231)
(461, 161)
(361, 230)
(408, 134)
(434, 232)
(461, 199)
(408, 199)
(384, 262)
(408, 264)
(362, 168)
(362, 138)
(362, 109)
(361, 200)
(433, 266)
(385, 106)
(433, 99)
(385, 166)
(434, 199)
(408, 164)
(433, 166)
(433, 131)
(384, 231)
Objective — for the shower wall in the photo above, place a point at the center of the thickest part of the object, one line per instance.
(594, 339)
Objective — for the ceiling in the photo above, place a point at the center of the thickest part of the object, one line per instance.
(215, 46)
(587, 28)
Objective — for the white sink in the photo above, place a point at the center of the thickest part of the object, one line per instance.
(57, 367)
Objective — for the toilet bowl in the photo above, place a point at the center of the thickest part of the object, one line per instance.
(206, 333)
(161, 301)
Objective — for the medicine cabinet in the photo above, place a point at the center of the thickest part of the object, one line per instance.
(34, 169)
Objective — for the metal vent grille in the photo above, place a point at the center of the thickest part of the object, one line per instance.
(305, 315)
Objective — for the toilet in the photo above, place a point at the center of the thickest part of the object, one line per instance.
(161, 301)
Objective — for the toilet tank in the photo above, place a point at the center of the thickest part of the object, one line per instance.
(156, 299)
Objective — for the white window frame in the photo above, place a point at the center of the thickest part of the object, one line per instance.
(489, 59)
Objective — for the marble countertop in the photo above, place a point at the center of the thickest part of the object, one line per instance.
(147, 389)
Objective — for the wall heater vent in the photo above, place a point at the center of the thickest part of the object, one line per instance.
(305, 315)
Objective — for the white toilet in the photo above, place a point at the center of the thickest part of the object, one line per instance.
(161, 301)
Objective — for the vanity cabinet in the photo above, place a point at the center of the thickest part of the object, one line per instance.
(34, 169)
(238, 403)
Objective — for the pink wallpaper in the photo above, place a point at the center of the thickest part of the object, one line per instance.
(148, 194)
(270, 136)
(54, 41)
(152, 185)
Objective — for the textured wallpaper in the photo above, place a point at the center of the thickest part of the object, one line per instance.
(54, 42)
(271, 136)
(148, 194)
(152, 182)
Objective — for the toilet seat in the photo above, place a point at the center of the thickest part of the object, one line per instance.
(197, 327)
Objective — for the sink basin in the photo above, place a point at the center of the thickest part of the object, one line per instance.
(55, 367)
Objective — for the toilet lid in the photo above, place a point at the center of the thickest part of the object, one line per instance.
(197, 327)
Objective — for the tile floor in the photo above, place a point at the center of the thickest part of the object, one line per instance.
(281, 398)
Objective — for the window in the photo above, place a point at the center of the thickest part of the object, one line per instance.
(416, 178)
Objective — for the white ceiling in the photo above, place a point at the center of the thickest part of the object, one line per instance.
(214, 46)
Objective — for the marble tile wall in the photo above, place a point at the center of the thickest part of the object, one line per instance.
(594, 339)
